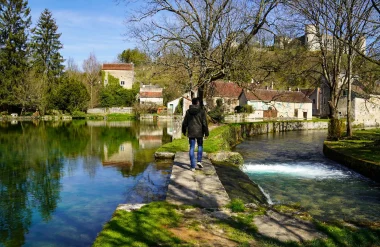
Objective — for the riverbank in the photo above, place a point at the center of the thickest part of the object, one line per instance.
(360, 152)
(164, 224)
(238, 224)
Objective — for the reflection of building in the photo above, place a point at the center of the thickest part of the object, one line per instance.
(124, 156)
(174, 128)
(150, 137)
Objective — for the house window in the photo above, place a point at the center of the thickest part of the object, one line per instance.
(122, 83)
(313, 101)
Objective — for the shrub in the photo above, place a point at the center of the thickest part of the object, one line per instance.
(236, 205)
(145, 109)
(336, 129)
(244, 109)
(248, 109)
(78, 114)
(179, 108)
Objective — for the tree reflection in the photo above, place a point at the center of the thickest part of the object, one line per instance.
(33, 156)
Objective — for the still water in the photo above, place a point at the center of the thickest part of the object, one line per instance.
(291, 168)
(60, 182)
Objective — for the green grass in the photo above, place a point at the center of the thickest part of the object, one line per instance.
(141, 228)
(151, 226)
(364, 145)
(236, 205)
(120, 117)
(217, 141)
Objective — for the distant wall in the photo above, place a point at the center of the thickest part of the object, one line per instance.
(121, 110)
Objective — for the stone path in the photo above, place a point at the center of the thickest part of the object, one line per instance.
(199, 188)
(285, 227)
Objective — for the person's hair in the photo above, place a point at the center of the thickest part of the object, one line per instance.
(195, 101)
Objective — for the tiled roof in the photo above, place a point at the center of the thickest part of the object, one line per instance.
(117, 66)
(279, 96)
(308, 92)
(225, 89)
(150, 94)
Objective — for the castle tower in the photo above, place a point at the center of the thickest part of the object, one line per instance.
(361, 43)
(311, 40)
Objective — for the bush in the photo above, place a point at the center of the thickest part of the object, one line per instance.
(79, 114)
(236, 205)
(216, 115)
(115, 95)
(144, 109)
(248, 109)
(179, 108)
(244, 109)
(336, 129)
(70, 95)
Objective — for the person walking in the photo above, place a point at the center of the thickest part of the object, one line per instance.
(195, 127)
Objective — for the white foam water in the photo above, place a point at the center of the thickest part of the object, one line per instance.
(299, 169)
(267, 196)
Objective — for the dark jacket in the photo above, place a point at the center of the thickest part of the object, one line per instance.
(195, 123)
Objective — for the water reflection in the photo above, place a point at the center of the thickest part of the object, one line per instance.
(291, 168)
(61, 181)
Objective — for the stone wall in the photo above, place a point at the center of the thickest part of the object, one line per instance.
(120, 110)
(366, 168)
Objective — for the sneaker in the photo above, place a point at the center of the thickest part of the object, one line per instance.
(199, 164)
(192, 169)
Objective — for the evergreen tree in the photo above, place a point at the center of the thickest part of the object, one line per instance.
(46, 58)
(15, 21)
(45, 46)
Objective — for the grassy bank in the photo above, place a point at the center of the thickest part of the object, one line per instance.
(364, 145)
(163, 224)
(221, 138)
(111, 117)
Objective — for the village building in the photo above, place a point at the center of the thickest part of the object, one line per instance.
(186, 102)
(123, 72)
(365, 108)
(320, 97)
(228, 92)
(268, 103)
(151, 95)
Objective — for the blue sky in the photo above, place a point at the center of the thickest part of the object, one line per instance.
(87, 26)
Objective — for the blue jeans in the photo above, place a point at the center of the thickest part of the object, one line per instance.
(191, 152)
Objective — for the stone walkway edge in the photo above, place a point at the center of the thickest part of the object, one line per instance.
(201, 187)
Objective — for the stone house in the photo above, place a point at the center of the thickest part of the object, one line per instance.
(124, 72)
(151, 94)
(365, 107)
(268, 103)
(186, 101)
(227, 91)
(320, 97)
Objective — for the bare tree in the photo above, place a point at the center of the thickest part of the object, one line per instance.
(340, 29)
(210, 33)
(91, 68)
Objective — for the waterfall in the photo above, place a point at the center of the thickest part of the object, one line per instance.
(267, 196)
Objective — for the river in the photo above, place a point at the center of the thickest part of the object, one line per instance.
(60, 182)
(291, 168)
